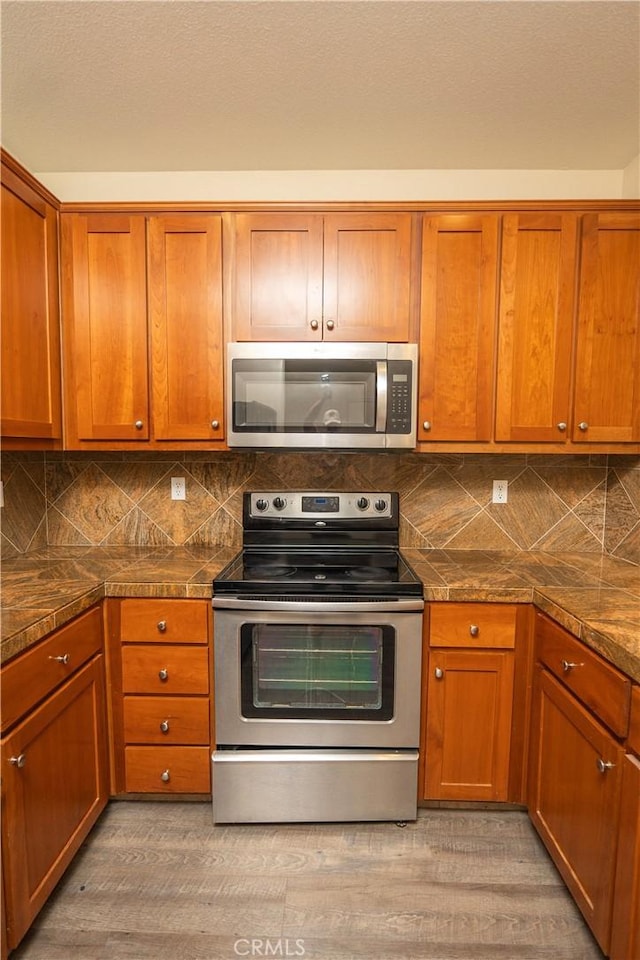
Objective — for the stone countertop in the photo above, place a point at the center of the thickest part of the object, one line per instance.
(596, 598)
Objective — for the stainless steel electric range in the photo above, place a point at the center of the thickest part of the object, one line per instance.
(317, 640)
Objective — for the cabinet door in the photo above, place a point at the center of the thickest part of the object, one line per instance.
(185, 317)
(535, 335)
(468, 725)
(30, 318)
(367, 277)
(607, 391)
(457, 327)
(575, 777)
(277, 283)
(105, 325)
(54, 785)
(625, 929)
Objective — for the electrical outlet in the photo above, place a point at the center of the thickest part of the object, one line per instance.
(500, 491)
(178, 488)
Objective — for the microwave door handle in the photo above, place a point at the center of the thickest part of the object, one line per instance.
(381, 396)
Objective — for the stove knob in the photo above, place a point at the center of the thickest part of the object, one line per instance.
(381, 505)
(262, 504)
(363, 503)
(279, 503)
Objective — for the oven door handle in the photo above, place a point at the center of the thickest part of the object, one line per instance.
(320, 606)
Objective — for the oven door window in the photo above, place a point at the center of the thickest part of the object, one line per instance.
(301, 396)
(325, 672)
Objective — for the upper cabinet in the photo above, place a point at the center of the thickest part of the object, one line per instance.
(457, 326)
(535, 333)
(341, 277)
(142, 314)
(31, 409)
(607, 379)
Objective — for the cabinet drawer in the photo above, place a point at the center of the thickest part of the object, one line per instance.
(473, 625)
(166, 720)
(167, 769)
(164, 621)
(634, 723)
(601, 687)
(36, 672)
(165, 669)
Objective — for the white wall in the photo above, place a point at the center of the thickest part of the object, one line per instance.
(327, 185)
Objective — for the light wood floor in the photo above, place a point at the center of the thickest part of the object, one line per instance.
(157, 881)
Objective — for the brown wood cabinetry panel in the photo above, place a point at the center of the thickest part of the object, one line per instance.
(535, 334)
(367, 276)
(164, 720)
(633, 741)
(53, 797)
(144, 668)
(164, 621)
(625, 928)
(35, 673)
(457, 327)
(105, 321)
(600, 686)
(607, 390)
(185, 315)
(575, 779)
(473, 625)
(30, 403)
(167, 769)
(277, 285)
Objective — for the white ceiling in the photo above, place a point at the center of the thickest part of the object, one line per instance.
(131, 85)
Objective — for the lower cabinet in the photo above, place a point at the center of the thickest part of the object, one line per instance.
(625, 928)
(54, 777)
(160, 671)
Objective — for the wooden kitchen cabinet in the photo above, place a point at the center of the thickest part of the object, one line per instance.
(535, 332)
(575, 776)
(457, 327)
(160, 670)
(54, 765)
(467, 724)
(607, 379)
(30, 376)
(313, 276)
(142, 315)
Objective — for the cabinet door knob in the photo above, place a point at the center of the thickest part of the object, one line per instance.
(438, 673)
(163, 674)
(314, 324)
(426, 425)
(474, 629)
(330, 324)
(583, 425)
(18, 761)
(215, 424)
(604, 765)
(164, 726)
(64, 658)
(139, 424)
(165, 776)
(162, 626)
(568, 665)
(562, 426)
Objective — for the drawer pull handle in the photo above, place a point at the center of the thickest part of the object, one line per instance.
(164, 726)
(19, 761)
(165, 776)
(568, 665)
(474, 629)
(162, 626)
(604, 765)
(163, 674)
(438, 673)
(64, 658)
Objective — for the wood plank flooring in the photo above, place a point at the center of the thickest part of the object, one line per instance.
(158, 881)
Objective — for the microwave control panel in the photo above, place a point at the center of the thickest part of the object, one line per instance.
(399, 390)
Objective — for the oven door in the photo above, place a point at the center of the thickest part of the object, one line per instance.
(317, 674)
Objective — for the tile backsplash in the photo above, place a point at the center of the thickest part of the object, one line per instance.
(575, 503)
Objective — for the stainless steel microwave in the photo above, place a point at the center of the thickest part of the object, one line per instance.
(326, 395)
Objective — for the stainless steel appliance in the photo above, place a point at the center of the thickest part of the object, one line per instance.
(317, 640)
(321, 394)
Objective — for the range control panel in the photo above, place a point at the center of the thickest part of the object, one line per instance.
(310, 505)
